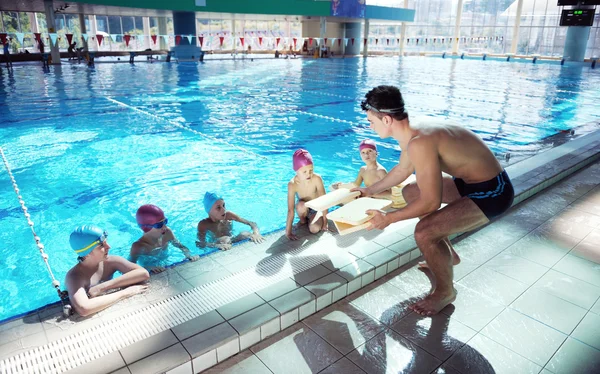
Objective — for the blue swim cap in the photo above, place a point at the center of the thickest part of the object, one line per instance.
(85, 238)
(210, 198)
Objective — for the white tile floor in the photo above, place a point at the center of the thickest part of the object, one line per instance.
(528, 302)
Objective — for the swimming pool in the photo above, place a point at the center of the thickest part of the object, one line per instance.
(92, 145)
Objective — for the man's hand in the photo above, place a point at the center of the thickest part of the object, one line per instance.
(336, 185)
(291, 236)
(223, 247)
(364, 192)
(379, 220)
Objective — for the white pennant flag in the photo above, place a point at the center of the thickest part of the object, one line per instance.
(113, 37)
(140, 38)
(53, 37)
(189, 38)
(165, 38)
(20, 37)
(85, 37)
(333, 42)
(346, 41)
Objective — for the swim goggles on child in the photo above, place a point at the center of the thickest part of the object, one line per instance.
(157, 225)
(366, 106)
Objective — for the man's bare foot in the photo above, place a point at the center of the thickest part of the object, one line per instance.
(433, 303)
(455, 261)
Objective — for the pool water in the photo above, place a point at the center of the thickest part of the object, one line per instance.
(89, 146)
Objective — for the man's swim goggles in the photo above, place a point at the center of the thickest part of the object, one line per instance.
(157, 225)
(366, 106)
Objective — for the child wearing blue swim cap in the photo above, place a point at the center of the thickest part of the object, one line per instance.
(216, 230)
(89, 281)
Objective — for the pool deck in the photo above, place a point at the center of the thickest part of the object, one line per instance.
(195, 315)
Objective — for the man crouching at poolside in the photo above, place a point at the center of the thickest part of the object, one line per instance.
(479, 190)
(89, 280)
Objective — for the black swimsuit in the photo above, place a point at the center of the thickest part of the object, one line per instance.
(493, 197)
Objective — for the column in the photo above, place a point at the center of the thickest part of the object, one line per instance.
(162, 30)
(92, 33)
(83, 30)
(233, 35)
(576, 43)
(184, 23)
(366, 36)
(456, 36)
(403, 32)
(34, 27)
(516, 28)
(51, 23)
(146, 31)
(352, 30)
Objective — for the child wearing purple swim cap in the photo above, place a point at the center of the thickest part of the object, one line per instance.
(215, 231)
(369, 174)
(306, 185)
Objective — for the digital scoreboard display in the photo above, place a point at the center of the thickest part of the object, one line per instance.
(577, 17)
(578, 2)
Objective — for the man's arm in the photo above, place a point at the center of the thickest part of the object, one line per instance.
(359, 178)
(321, 192)
(396, 176)
(186, 252)
(239, 219)
(424, 156)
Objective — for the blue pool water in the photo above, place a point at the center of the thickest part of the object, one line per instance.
(92, 145)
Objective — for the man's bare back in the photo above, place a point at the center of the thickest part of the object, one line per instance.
(462, 154)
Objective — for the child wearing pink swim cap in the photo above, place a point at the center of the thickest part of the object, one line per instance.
(156, 238)
(372, 172)
(306, 185)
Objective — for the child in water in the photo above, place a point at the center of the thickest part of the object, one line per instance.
(218, 225)
(157, 236)
(307, 186)
(372, 172)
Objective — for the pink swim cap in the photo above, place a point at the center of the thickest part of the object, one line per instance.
(302, 158)
(367, 143)
(149, 215)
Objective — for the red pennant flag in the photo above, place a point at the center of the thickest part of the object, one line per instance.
(38, 36)
(408, 41)
(69, 38)
(242, 41)
(425, 40)
(352, 40)
(3, 38)
(325, 39)
(365, 41)
(221, 39)
(388, 42)
(126, 38)
(376, 40)
(398, 41)
(153, 38)
(434, 39)
(260, 40)
(309, 41)
(339, 42)
(295, 43)
(417, 41)
(201, 39)
(99, 37)
(443, 40)
(277, 42)
(177, 39)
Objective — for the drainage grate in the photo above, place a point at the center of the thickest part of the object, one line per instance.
(93, 343)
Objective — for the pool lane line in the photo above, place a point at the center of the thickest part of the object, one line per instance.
(61, 294)
(178, 125)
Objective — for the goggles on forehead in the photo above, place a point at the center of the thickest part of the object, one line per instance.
(366, 106)
(157, 225)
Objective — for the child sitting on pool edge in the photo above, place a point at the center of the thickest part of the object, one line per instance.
(307, 186)
(218, 225)
(157, 236)
(371, 173)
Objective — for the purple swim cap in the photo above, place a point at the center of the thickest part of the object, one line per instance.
(149, 215)
(367, 143)
(302, 158)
